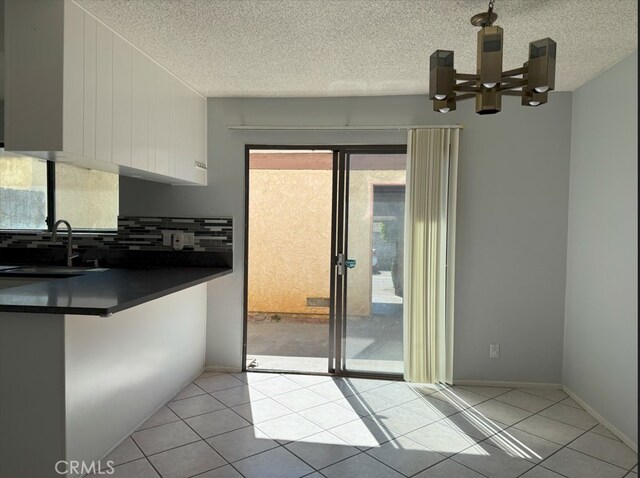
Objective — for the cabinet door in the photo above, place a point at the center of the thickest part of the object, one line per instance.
(201, 140)
(73, 78)
(176, 121)
(122, 53)
(179, 149)
(163, 121)
(191, 136)
(151, 125)
(104, 93)
(90, 65)
(195, 136)
(140, 111)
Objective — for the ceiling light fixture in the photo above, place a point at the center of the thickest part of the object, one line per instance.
(532, 82)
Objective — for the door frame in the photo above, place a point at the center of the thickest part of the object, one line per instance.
(339, 220)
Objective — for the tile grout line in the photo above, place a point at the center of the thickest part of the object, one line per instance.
(250, 424)
(508, 426)
(328, 430)
(155, 426)
(584, 432)
(555, 402)
(169, 449)
(538, 413)
(429, 424)
(253, 425)
(553, 471)
(468, 467)
(325, 467)
(143, 457)
(403, 474)
(567, 446)
(545, 398)
(146, 457)
(209, 445)
(595, 457)
(189, 443)
(357, 393)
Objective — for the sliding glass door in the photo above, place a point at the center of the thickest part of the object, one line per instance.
(325, 245)
(369, 260)
(288, 259)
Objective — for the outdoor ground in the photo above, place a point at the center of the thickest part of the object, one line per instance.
(284, 342)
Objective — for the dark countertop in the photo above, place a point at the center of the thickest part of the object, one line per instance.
(103, 292)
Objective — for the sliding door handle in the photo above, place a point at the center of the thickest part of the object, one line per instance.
(340, 264)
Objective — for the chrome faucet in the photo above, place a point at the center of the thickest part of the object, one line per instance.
(54, 236)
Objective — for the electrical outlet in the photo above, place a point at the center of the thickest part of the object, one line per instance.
(189, 238)
(177, 241)
(494, 351)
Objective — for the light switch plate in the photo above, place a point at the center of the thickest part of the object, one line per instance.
(166, 238)
(494, 351)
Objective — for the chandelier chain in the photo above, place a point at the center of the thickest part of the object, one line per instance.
(489, 22)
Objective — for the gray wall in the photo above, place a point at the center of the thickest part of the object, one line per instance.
(601, 320)
(32, 394)
(512, 217)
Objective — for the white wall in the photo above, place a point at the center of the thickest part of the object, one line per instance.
(121, 369)
(512, 217)
(601, 320)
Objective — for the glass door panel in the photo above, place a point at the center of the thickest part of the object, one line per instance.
(374, 247)
(289, 240)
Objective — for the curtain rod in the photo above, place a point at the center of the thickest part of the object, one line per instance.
(339, 128)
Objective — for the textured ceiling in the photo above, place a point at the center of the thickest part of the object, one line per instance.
(358, 47)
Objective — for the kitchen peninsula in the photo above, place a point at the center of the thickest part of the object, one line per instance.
(91, 357)
(91, 352)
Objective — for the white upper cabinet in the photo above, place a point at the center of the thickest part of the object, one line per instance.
(102, 104)
(152, 117)
(163, 121)
(201, 140)
(104, 93)
(122, 101)
(140, 111)
(180, 129)
(90, 84)
(73, 81)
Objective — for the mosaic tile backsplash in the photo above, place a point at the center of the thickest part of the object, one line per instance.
(211, 234)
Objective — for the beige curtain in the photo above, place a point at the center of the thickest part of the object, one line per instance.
(429, 253)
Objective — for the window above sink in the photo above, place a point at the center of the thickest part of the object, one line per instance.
(35, 193)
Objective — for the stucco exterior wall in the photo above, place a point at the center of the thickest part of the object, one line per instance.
(22, 173)
(360, 235)
(87, 198)
(290, 238)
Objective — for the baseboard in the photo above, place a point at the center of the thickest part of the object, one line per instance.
(625, 439)
(215, 368)
(491, 383)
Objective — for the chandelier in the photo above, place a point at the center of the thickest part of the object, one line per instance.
(532, 82)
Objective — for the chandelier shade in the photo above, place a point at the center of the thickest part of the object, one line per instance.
(532, 82)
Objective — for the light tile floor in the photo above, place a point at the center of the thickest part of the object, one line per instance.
(259, 425)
